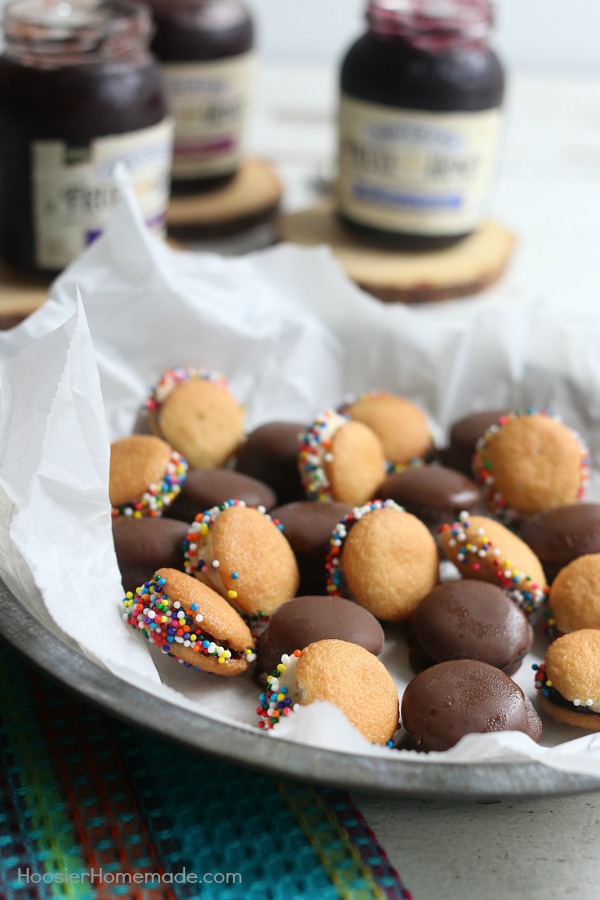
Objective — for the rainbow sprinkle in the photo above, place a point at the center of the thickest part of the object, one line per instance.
(158, 497)
(472, 550)
(165, 622)
(175, 376)
(339, 535)
(483, 468)
(277, 700)
(315, 451)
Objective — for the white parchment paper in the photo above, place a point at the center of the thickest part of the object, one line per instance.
(293, 336)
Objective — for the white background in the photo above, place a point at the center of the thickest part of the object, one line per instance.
(542, 35)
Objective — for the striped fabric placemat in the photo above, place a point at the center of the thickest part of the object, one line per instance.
(92, 809)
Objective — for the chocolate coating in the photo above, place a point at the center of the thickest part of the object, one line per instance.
(463, 436)
(452, 699)
(304, 620)
(561, 534)
(205, 488)
(472, 620)
(434, 494)
(308, 525)
(145, 545)
(270, 454)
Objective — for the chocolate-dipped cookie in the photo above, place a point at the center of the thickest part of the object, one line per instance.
(452, 699)
(190, 622)
(144, 545)
(486, 550)
(205, 488)
(195, 412)
(145, 476)
(344, 674)
(434, 494)
(469, 620)
(569, 680)
(558, 536)
(529, 461)
(398, 423)
(574, 598)
(307, 526)
(385, 557)
(241, 553)
(340, 460)
(270, 454)
(304, 620)
(463, 438)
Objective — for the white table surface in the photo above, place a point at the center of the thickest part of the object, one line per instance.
(548, 192)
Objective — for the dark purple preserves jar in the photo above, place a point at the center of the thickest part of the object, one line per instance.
(419, 122)
(205, 47)
(79, 93)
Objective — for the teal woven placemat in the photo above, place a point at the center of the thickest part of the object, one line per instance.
(91, 808)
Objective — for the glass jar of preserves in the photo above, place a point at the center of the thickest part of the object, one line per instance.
(419, 122)
(205, 47)
(79, 92)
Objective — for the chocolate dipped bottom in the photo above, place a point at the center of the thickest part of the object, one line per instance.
(561, 534)
(434, 494)
(270, 454)
(308, 526)
(463, 437)
(205, 488)
(469, 620)
(453, 699)
(144, 545)
(304, 620)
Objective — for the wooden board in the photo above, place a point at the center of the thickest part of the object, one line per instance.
(252, 197)
(416, 277)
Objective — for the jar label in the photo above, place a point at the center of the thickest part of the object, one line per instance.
(74, 191)
(209, 101)
(404, 170)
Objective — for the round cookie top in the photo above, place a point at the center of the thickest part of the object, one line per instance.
(434, 494)
(452, 699)
(304, 620)
(340, 459)
(191, 622)
(386, 556)
(145, 475)
(572, 668)
(241, 552)
(398, 423)
(485, 550)
(194, 410)
(341, 673)
(574, 599)
(469, 619)
(529, 461)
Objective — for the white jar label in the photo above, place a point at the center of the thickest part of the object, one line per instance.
(209, 102)
(404, 170)
(74, 191)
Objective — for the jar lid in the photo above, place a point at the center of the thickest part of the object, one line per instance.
(432, 25)
(49, 33)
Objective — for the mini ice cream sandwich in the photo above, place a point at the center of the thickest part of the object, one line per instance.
(190, 622)
(569, 680)
(145, 476)
(195, 412)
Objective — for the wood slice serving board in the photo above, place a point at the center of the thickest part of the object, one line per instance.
(252, 197)
(410, 277)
